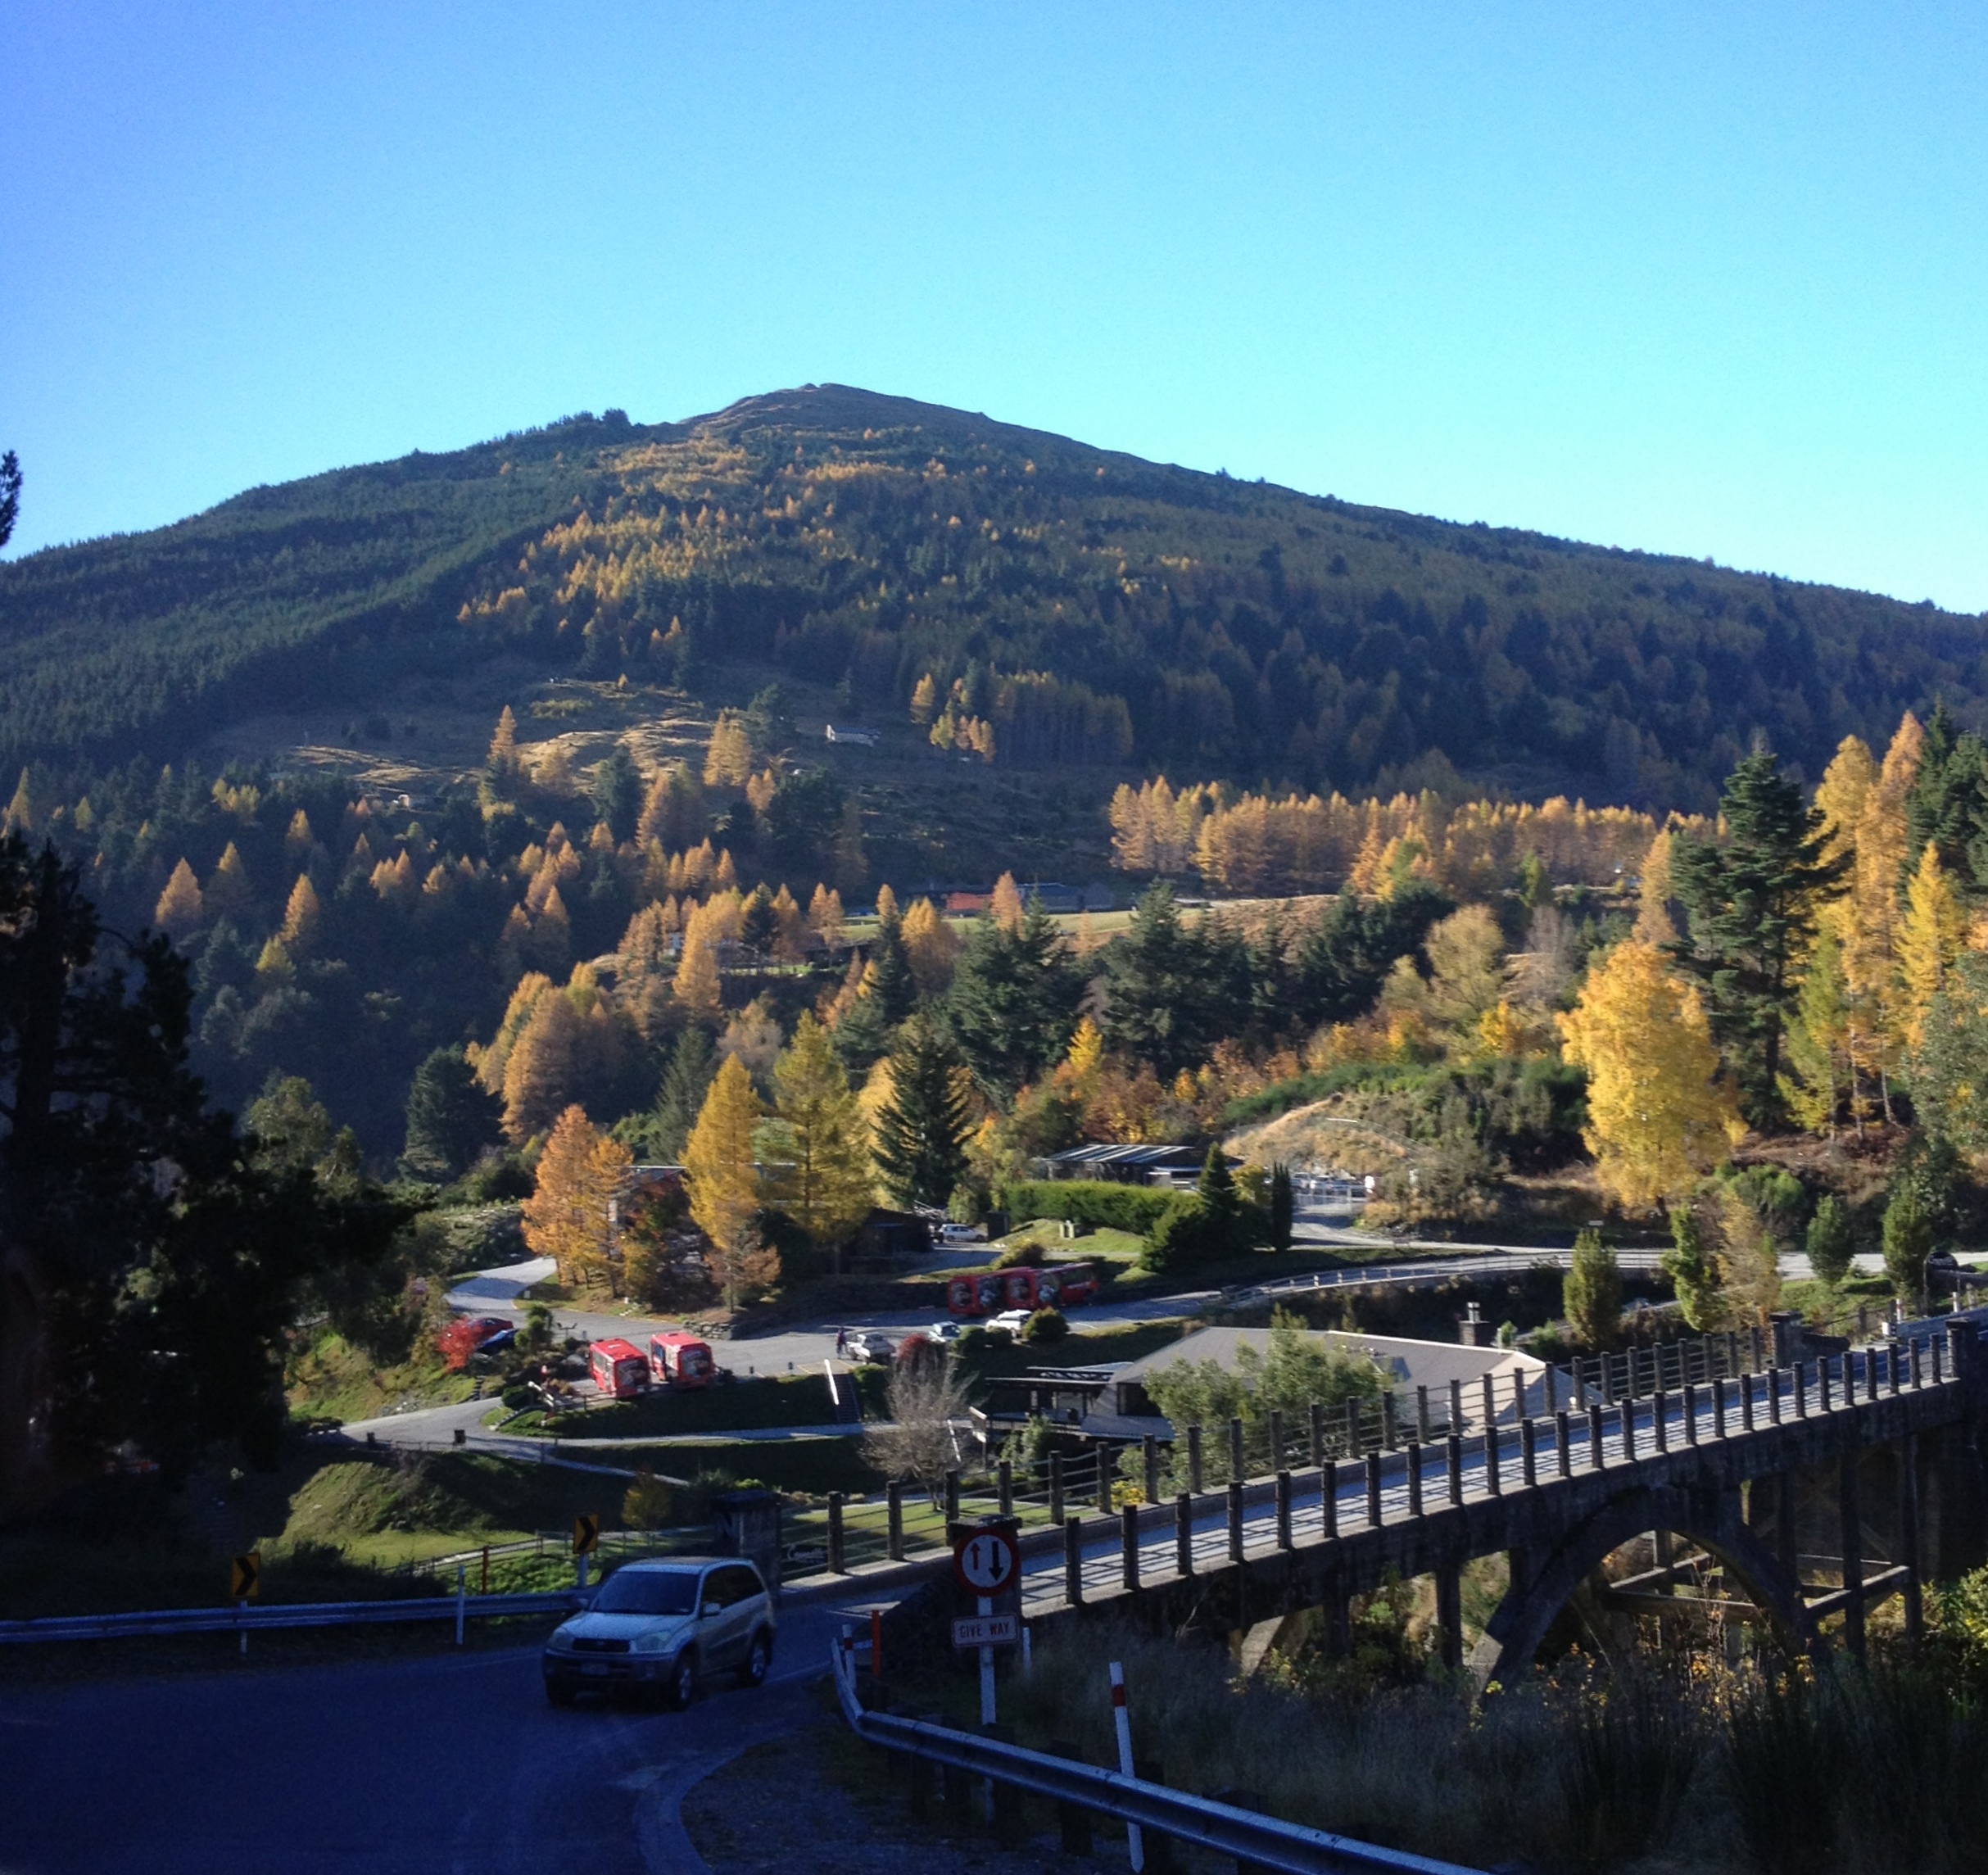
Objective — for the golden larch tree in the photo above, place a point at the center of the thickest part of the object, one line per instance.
(825, 913)
(819, 1140)
(698, 985)
(1929, 940)
(1658, 1114)
(1006, 907)
(580, 1173)
(720, 1169)
(301, 915)
(181, 908)
(924, 700)
(932, 944)
(728, 761)
(1869, 916)
(228, 893)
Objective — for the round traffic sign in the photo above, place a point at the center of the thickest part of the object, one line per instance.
(986, 1561)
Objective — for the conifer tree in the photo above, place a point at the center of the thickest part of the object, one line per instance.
(1752, 905)
(723, 1176)
(1819, 1066)
(821, 1179)
(728, 761)
(1657, 1112)
(619, 793)
(449, 1118)
(698, 985)
(1006, 907)
(1947, 804)
(1949, 1078)
(301, 915)
(891, 984)
(1590, 1293)
(1928, 941)
(921, 1129)
(825, 913)
(924, 700)
(181, 908)
(578, 1175)
(1014, 995)
(1869, 918)
(687, 1080)
(1693, 1269)
(932, 945)
(1907, 1241)
(544, 1069)
(228, 893)
(1829, 1242)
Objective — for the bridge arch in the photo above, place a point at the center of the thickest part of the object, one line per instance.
(1541, 1586)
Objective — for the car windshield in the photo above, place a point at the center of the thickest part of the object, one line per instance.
(648, 1591)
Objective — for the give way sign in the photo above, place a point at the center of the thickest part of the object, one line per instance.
(986, 1561)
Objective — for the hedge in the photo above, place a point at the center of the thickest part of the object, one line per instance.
(1098, 1203)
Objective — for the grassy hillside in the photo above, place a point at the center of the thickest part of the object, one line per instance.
(1094, 611)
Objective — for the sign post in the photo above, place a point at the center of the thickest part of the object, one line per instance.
(1136, 1838)
(986, 1562)
(245, 1584)
(586, 1540)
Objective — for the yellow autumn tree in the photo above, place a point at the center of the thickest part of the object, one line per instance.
(1929, 940)
(502, 758)
(887, 904)
(818, 1141)
(228, 893)
(932, 944)
(698, 985)
(299, 840)
(1653, 920)
(566, 1218)
(1843, 793)
(301, 915)
(1869, 916)
(728, 761)
(825, 913)
(181, 908)
(1658, 1114)
(723, 1178)
(924, 700)
(1006, 907)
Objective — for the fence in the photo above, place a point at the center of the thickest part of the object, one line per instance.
(1254, 1840)
(246, 1618)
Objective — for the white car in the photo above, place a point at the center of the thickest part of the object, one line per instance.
(1014, 1321)
(943, 1331)
(959, 1233)
(660, 1627)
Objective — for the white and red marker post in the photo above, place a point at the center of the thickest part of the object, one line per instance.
(1135, 1840)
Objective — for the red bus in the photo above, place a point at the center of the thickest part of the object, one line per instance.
(618, 1369)
(988, 1292)
(679, 1360)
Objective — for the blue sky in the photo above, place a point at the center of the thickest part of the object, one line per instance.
(1711, 280)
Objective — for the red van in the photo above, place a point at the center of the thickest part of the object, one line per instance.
(988, 1292)
(679, 1360)
(618, 1369)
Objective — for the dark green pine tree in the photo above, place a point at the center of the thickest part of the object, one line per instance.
(449, 1118)
(893, 987)
(1751, 905)
(693, 1063)
(1283, 1206)
(1013, 1000)
(1154, 987)
(757, 926)
(618, 793)
(1947, 804)
(921, 1129)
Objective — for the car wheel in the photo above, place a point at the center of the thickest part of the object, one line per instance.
(758, 1657)
(683, 1679)
(559, 1693)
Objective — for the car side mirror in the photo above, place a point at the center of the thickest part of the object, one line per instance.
(711, 1608)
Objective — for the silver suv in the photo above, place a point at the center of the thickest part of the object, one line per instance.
(662, 1627)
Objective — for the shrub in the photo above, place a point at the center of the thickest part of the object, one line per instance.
(1095, 1201)
(1185, 1237)
(1045, 1328)
(647, 1503)
(517, 1397)
(1028, 1255)
(1592, 1293)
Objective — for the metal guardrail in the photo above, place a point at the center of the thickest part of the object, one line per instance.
(1266, 1841)
(248, 1618)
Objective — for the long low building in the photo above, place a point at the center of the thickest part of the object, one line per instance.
(1114, 1402)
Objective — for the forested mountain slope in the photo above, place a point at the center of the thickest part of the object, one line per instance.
(1075, 605)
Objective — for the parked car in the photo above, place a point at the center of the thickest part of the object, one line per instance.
(959, 1233)
(870, 1346)
(484, 1329)
(1014, 1321)
(661, 1628)
(942, 1331)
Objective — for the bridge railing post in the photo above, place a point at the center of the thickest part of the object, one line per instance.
(1660, 1420)
(1822, 1384)
(1415, 1477)
(1718, 1408)
(1004, 1488)
(1235, 1519)
(1596, 1458)
(1235, 1450)
(1801, 1392)
(1422, 1414)
(1329, 1498)
(1193, 1460)
(1374, 1491)
(1318, 1432)
(1457, 1408)
(1563, 1441)
(1528, 1453)
(1056, 1488)
(1490, 1401)
(1494, 1483)
(1184, 1534)
(1390, 1421)
(1550, 1381)
(1128, 1543)
(1149, 1467)
(1073, 1561)
(1626, 1410)
(1454, 1452)
(1283, 1509)
(1691, 1412)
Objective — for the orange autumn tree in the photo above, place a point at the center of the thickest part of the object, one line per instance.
(566, 1217)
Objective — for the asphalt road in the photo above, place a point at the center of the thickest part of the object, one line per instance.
(422, 1764)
